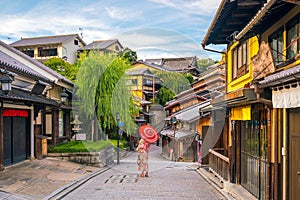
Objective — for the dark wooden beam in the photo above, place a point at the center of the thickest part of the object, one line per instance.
(231, 29)
(239, 15)
(247, 3)
(235, 22)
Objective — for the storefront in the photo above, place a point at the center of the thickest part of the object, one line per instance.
(253, 150)
(250, 131)
(16, 128)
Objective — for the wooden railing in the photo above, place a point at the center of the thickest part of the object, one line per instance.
(219, 164)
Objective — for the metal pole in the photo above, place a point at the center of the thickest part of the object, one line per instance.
(118, 132)
(118, 151)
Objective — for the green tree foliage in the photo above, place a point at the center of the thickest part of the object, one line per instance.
(102, 89)
(128, 54)
(64, 68)
(173, 83)
(189, 77)
(205, 62)
(165, 95)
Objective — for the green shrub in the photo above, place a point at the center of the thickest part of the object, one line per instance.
(123, 143)
(80, 146)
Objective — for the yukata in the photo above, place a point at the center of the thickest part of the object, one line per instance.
(142, 161)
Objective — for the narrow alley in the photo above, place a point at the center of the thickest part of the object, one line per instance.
(168, 180)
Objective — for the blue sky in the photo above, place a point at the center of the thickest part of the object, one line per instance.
(153, 28)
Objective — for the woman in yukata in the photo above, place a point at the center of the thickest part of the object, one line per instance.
(143, 150)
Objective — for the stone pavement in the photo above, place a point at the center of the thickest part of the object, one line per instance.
(37, 179)
(56, 179)
(168, 180)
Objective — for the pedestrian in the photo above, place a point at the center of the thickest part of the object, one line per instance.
(143, 150)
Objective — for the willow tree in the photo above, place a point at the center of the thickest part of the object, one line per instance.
(102, 90)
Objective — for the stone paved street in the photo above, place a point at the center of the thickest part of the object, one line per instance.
(168, 180)
(38, 178)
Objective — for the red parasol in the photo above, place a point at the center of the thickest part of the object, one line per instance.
(148, 133)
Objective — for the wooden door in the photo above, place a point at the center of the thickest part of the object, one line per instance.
(294, 154)
(294, 183)
(16, 139)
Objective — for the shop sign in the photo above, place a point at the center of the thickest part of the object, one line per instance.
(15, 113)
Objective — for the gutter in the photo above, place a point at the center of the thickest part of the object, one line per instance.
(212, 50)
(260, 14)
(221, 6)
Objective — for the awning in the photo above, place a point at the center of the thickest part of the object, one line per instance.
(141, 101)
(240, 97)
(22, 96)
(179, 134)
(191, 114)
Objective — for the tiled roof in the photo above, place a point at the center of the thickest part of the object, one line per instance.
(13, 65)
(281, 77)
(178, 134)
(99, 44)
(57, 39)
(20, 95)
(175, 64)
(152, 65)
(37, 63)
(191, 113)
(139, 71)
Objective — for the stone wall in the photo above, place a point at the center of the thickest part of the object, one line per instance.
(97, 159)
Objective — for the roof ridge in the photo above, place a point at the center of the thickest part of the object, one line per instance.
(53, 36)
(105, 40)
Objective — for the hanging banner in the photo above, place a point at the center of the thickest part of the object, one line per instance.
(241, 113)
(286, 97)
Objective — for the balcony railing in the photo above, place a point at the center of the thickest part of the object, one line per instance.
(219, 164)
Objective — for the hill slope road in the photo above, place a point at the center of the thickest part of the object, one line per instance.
(168, 180)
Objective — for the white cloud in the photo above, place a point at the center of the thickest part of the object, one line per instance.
(147, 41)
(109, 19)
(193, 6)
(122, 14)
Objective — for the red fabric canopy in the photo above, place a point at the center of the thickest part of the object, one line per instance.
(148, 133)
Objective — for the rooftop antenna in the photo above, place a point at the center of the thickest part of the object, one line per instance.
(81, 34)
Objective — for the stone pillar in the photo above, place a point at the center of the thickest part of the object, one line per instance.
(55, 124)
(67, 122)
(38, 141)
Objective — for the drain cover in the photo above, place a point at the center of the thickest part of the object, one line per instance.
(122, 179)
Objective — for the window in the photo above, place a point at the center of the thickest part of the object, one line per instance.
(117, 48)
(293, 41)
(61, 120)
(148, 82)
(276, 45)
(239, 60)
(47, 52)
(76, 42)
(29, 52)
(132, 82)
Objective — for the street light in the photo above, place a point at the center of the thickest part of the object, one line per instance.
(118, 149)
(63, 95)
(6, 81)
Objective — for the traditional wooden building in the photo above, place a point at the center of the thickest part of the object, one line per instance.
(33, 95)
(103, 46)
(261, 89)
(44, 48)
(180, 64)
(180, 138)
